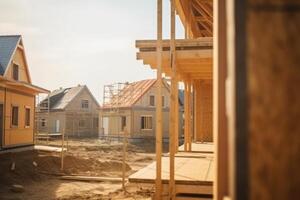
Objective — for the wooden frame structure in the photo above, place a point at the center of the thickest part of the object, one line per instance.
(241, 94)
(186, 60)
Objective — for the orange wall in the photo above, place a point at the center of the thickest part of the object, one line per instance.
(18, 59)
(20, 135)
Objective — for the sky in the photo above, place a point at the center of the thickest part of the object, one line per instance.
(87, 42)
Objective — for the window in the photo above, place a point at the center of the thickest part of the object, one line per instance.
(14, 115)
(163, 101)
(152, 100)
(85, 104)
(96, 122)
(146, 122)
(27, 116)
(123, 122)
(57, 126)
(81, 123)
(43, 122)
(15, 72)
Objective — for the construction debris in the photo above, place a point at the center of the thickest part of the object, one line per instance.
(17, 188)
(92, 178)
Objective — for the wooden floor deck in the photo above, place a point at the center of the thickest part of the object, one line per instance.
(193, 171)
(205, 147)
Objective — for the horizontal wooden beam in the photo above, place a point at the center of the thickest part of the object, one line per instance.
(207, 41)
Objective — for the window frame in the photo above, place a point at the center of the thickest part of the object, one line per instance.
(85, 104)
(18, 71)
(29, 117)
(96, 122)
(151, 101)
(12, 116)
(145, 117)
(122, 122)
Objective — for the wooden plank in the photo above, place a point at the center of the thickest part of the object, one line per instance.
(181, 54)
(124, 158)
(188, 170)
(185, 116)
(203, 110)
(206, 147)
(221, 181)
(186, 154)
(62, 152)
(199, 42)
(190, 123)
(158, 181)
(48, 148)
(176, 116)
(92, 178)
(172, 128)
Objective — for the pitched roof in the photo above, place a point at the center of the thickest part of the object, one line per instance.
(130, 94)
(8, 44)
(60, 98)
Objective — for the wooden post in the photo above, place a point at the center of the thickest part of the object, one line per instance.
(176, 116)
(220, 134)
(124, 158)
(62, 148)
(158, 182)
(48, 113)
(172, 145)
(186, 118)
(190, 122)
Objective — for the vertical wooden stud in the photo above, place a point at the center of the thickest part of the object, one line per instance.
(172, 140)
(124, 158)
(190, 124)
(176, 116)
(158, 182)
(186, 118)
(62, 148)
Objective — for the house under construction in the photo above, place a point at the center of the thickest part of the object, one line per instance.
(132, 105)
(231, 49)
(73, 111)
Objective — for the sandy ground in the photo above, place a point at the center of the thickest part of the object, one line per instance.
(89, 157)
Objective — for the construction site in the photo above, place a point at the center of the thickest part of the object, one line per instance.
(218, 121)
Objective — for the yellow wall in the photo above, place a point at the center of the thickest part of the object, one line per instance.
(19, 59)
(21, 135)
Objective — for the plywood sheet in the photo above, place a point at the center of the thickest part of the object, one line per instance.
(189, 171)
(205, 147)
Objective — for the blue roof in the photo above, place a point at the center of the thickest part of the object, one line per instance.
(8, 44)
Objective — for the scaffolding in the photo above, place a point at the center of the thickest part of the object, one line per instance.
(116, 96)
(42, 107)
(42, 135)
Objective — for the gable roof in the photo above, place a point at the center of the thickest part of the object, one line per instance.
(60, 98)
(130, 94)
(8, 44)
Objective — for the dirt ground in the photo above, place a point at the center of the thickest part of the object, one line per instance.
(39, 172)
